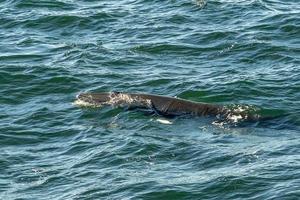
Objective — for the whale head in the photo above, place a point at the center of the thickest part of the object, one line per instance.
(89, 99)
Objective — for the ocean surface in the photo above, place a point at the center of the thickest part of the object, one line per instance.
(241, 53)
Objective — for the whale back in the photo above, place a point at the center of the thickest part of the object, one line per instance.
(161, 104)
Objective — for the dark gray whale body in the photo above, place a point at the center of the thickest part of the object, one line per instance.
(167, 106)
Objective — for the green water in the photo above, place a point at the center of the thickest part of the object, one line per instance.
(232, 52)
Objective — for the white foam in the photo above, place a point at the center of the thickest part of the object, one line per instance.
(164, 121)
(81, 103)
(220, 124)
(234, 118)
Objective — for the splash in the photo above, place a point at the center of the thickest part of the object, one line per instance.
(234, 118)
(237, 114)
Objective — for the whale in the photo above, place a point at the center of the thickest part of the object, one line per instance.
(163, 105)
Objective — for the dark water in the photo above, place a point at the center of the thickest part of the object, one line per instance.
(218, 51)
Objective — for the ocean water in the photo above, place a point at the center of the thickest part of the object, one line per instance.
(231, 52)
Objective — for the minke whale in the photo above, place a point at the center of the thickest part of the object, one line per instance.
(164, 105)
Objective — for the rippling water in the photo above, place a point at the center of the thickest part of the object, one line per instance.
(233, 52)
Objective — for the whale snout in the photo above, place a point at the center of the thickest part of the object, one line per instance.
(99, 98)
(84, 97)
(85, 100)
